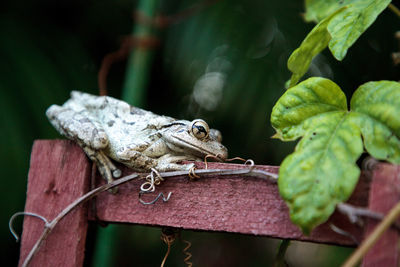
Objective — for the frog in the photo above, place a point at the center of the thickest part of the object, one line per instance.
(110, 129)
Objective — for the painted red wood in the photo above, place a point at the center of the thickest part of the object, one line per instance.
(235, 204)
(384, 195)
(58, 174)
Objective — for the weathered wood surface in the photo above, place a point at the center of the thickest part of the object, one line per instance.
(384, 194)
(58, 175)
(60, 172)
(235, 204)
(230, 204)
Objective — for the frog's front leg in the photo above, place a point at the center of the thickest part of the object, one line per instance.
(106, 168)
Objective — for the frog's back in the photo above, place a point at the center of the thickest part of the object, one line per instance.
(106, 109)
(99, 105)
(121, 121)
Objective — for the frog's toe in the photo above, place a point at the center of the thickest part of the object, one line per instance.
(113, 190)
(188, 166)
(116, 173)
(99, 140)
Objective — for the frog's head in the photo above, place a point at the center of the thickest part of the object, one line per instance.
(194, 138)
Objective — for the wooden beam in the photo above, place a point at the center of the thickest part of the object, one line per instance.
(224, 204)
(58, 174)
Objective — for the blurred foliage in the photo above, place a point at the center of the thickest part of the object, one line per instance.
(234, 51)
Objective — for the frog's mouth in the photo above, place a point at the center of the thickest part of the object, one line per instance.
(197, 147)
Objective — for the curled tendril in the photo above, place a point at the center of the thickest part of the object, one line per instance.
(236, 158)
(187, 253)
(212, 157)
(250, 163)
(168, 237)
(153, 179)
(218, 159)
(11, 221)
(160, 195)
(192, 175)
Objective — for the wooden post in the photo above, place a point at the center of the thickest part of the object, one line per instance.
(60, 173)
(383, 195)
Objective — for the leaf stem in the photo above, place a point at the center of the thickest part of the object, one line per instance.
(394, 9)
(373, 237)
(280, 257)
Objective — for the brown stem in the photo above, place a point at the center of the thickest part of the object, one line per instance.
(394, 9)
(122, 53)
(353, 213)
(373, 237)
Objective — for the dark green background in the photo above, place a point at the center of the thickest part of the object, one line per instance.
(49, 48)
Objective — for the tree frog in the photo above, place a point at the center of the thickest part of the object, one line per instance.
(106, 128)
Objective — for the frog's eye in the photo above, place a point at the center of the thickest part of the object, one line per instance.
(200, 129)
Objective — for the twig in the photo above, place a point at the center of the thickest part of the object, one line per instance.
(50, 226)
(353, 213)
(394, 9)
(253, 172)
(126, 45)
(373, 237)
(343, 232)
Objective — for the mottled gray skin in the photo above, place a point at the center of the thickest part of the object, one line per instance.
(106, 127)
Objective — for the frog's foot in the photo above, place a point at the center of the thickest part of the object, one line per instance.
(106, 168)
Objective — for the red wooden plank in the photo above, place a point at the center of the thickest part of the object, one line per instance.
(384, 195)
(58, 174)
(235, 204)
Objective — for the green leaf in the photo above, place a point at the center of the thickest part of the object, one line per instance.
(378, 104)
(309, 98)
(347, 26)
(316, 41)
(317, 10)
(341, 24)
(322, 171)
